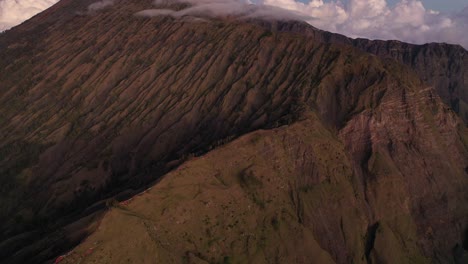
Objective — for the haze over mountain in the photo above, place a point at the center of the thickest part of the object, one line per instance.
(166, 132)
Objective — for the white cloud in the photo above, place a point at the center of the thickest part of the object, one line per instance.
(407, 21)
(13, 12)
(100, 5)
(217, 8)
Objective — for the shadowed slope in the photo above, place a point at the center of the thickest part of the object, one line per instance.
(292, 195)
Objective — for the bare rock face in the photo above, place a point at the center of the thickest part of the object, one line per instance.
(443, 66)
(337, 154)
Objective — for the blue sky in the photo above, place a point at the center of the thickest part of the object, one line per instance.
(410, 21)
(439, 5)
(406, 20)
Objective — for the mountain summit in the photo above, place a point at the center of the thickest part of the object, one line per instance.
(142, 132)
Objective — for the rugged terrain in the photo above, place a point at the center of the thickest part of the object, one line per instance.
(443, 66)
(277, 142)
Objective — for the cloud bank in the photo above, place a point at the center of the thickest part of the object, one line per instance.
(221, 8)
(407, 21)
(13, 12)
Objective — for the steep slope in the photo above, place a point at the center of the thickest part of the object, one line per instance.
(94, 106)
(293, 195)
(443, 66)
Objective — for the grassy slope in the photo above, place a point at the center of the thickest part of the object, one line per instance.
(248, 201)
(287, 195)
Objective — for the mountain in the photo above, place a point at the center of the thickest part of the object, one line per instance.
(265, 141)
(443, 66)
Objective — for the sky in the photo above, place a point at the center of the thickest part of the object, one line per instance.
(440, 5)
(414, 21)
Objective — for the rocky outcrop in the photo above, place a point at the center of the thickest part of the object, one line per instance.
(443, 66)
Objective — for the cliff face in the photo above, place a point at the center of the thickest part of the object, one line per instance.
(342, 155)
(443, 66)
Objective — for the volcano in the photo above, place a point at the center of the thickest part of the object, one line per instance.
(143, 132)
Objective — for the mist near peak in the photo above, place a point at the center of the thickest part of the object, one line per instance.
(100, 5)
(221, 8)
(408, 20)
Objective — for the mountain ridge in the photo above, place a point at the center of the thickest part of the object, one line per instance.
(110, 137)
